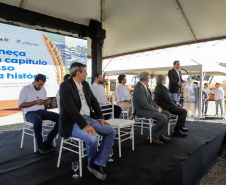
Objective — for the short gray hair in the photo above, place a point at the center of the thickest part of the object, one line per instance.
(75, 67)
(160, 79)
(144, 76)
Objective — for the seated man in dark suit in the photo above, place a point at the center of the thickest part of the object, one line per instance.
(144, 106)
(163, 99)
(76, 103)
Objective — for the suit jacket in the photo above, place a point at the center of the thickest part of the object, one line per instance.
(142, 100)
(163, 99)
(70, 104)
(173, 80)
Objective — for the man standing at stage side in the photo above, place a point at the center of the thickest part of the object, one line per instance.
(204, 95)
(123, 97)
(76, 103)
(101, 95)
(32, 99)
(175, 81)
(205, 103)
(219, 97)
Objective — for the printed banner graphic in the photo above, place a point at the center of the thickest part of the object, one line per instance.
(24, 53)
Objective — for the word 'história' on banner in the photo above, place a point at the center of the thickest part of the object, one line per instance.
(19, 76)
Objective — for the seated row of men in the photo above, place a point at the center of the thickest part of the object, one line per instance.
(81, 115)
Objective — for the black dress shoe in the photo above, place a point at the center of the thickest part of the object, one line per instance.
(43, 149)
(179, 133)
(97, 171)
(49, 146)
(184, 129)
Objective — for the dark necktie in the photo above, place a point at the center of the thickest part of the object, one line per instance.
(149, 91)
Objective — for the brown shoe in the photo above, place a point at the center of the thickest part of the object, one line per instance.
(164, 138)
(156, 141)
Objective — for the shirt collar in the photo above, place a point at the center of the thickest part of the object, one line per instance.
(96, 84)
(79, 86)
(144, 85)
(32, 85)
(176, 70)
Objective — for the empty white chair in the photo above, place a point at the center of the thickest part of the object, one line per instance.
(125, 128)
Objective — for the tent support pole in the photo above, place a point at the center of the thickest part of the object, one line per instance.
(151, 83)
(200, 94)
(96, 58)
(97, 35)
(151, 77)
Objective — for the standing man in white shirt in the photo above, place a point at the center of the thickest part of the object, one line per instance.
(123, 97)
(175, 81)
(99, 91)
(32, 99)
(219, 97)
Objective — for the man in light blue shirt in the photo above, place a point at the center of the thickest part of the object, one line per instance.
(206, 102)
(204, 95)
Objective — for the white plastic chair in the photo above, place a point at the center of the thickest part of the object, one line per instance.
(141, 122)
(47, 125)
(150, 123)
(124, 111)
(145, 121)
(171, 122)
(77, 146)
(118, 124)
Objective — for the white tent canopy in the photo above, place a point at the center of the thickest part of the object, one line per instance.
(149, 64)
(154, 71)
(134, 26)
(159, 64)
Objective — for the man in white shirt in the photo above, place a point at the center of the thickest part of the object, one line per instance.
(32, 99)
(206, 102)
(123, 97)
(101, 95)
(219, 97)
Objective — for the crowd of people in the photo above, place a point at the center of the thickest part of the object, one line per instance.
(81, 113)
